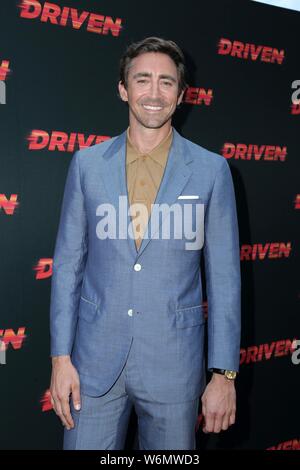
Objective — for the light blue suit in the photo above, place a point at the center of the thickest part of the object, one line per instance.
(100, 300)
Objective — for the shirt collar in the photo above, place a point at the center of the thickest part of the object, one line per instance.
(159, 153)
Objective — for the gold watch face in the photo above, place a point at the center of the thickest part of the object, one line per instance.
(230, 374)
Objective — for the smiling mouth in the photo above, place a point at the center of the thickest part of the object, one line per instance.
(152, 108)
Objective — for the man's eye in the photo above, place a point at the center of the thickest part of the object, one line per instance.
(141, 81)
(168, 83)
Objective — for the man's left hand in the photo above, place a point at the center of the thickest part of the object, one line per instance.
(218, 404)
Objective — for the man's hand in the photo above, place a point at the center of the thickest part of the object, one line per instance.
(218, 404)
(64, 381)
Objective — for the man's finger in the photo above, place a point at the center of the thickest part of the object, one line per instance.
(65, 406)
(232, 418)
(52, 401)
(58, 411)
(209, 422)
(225, 422)
(76, 397)
(54, 405)
(218, 423)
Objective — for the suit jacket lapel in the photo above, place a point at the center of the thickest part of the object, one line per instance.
(115, 182)
(175, 177)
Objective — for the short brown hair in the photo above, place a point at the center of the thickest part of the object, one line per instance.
(154, 44)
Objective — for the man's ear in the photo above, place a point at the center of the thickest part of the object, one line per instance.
(122, 91)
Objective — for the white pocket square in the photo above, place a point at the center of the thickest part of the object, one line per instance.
(188, 197)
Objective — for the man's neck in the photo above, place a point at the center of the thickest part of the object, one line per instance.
(146, 139)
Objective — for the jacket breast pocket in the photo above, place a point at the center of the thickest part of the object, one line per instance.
(189, 316)
(87, 309)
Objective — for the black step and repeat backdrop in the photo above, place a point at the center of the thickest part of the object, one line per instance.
(58, 92)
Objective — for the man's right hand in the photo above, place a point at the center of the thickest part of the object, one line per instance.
(64, 381)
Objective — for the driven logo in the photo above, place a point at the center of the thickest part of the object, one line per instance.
(248, 51)
(9, 205)
(275, 250)
(198, 96)
(9, 337)
(43, 268)
(61, 141)
(254, 152)
(65, 16)
(264, 352)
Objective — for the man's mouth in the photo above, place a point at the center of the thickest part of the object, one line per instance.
(152, 108)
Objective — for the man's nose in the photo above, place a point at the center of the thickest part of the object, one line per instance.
(154, 89)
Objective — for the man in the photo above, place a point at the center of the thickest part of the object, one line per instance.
(127, 321)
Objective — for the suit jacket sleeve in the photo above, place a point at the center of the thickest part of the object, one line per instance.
(222, 273)
(68, 263)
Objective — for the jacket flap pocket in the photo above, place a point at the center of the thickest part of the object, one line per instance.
(189, 316)
(87, 309)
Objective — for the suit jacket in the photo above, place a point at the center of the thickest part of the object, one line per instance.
(104, 292)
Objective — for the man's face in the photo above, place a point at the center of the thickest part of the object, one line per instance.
(152, 89)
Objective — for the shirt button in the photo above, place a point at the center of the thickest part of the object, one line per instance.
(130, 312)
(137, 267)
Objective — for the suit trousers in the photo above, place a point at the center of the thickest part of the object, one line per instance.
(102, 421)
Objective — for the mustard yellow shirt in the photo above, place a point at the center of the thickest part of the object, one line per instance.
(144, 173)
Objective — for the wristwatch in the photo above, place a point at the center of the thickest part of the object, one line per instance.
(229, 374)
